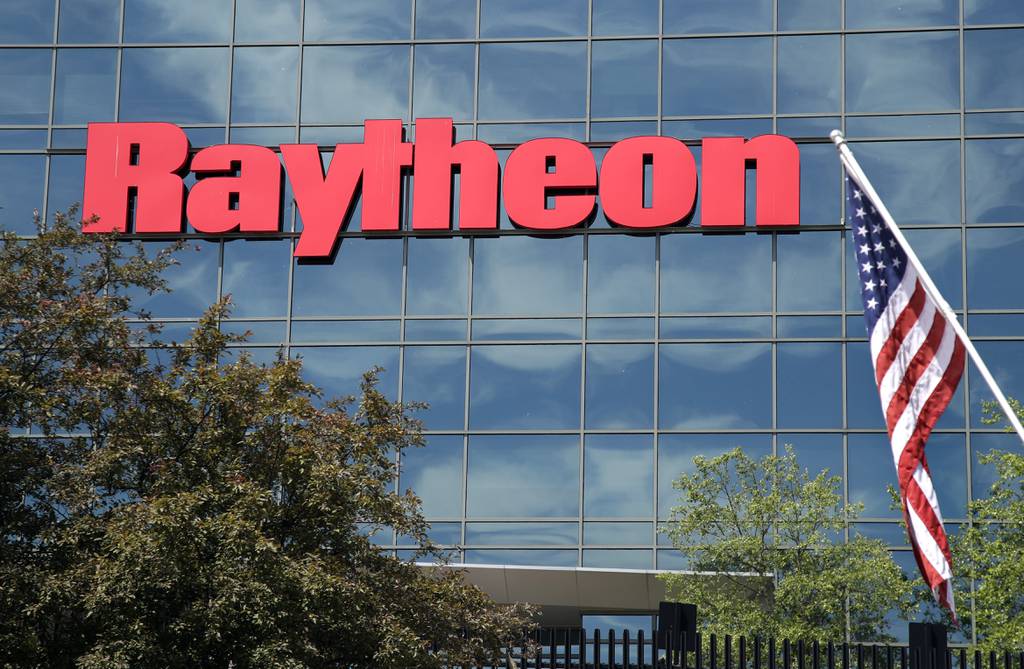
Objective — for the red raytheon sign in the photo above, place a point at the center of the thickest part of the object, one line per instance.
(137, 170)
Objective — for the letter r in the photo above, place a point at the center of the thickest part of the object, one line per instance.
(143, 160)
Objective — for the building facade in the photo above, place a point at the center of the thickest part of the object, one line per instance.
(571, 377)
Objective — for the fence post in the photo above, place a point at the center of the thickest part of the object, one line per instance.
(597, 649)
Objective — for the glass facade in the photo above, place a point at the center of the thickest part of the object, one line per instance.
(572, 377)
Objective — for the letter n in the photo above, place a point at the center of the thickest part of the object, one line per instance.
(134, 161)
(724, 162)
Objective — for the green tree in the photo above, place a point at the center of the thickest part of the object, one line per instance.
(763, 540)
(203, 512)
(991, 550)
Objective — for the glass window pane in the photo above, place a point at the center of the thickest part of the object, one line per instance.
(256, 277)
(619, 534)
(810, 386)
(67, 181)
(523, 476)
(357, 19)
(870, 470)
(1005, 359)
(338, 370)
(912, 13)
(607, 558)
(439, 19)
(620, 386)
(511, 89)
(179, 21)
(24, 139)
(86, 83)
(434, 472)
(88, 21)
(437, 375)
(620, 328)
(715, 16)
(179, 85)
(989, 83)
(353, 83)
(816, 453)
(715, 273)
(260, 332)
(939, 250)
(437, 276)
(809, 14)
(618, 476)
(994, 269)
(525, 386)
(264, 85)
(435, 330)
(533, 557)
(25, 86)
(995, 184)
(808, 78)
(808, 271)
(519, 275)
(21, 191)
(902, 72)
(676, 453)
(863, 408)
(717, 76)
(914, 125)
(993, 11)
(716, 327)
(983, 476)
(345, 331)
(26, 22)
(192, 282)
(527, 534)
(526, 329)
(533, 18)
(624, 78)
(820, 183)
(517, 133)
(364, 280)
(918, 181)
(444, 78)
(620, 274)
(625, 17)
(717, 386)
(266, 20)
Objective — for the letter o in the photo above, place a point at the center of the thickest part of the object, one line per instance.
(674, 182)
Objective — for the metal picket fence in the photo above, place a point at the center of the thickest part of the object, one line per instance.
(577, 649)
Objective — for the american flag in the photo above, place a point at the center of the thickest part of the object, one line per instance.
(918, 361)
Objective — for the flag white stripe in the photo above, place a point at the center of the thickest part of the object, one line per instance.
(927, 545)
(924, 482)
(930, 378)
(898, 301)
(905, 354)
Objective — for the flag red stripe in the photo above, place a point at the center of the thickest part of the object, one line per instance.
(915, 369)
(930, 413)
(903, 325)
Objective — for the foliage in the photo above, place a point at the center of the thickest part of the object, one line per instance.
(205, 511)
(991, 549)
(765, 542)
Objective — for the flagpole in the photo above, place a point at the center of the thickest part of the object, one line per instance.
(853, 169)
